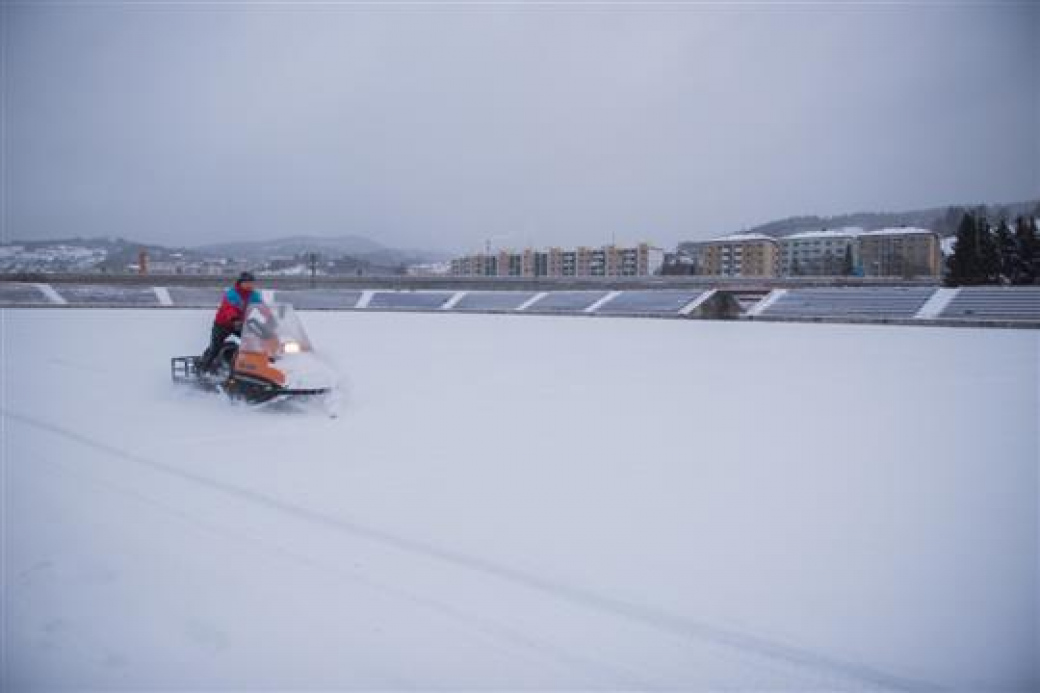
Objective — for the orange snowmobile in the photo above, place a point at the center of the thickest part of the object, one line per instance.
(271, 360)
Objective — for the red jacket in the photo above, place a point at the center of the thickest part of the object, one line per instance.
(233, 307)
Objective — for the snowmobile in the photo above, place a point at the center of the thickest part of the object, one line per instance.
(272, 360)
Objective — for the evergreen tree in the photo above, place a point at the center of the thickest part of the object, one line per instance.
(1007, 254)
(1034, 255)
(1034, 237)
(947, 224)
(1028, 251)
(989, 258)
(963, 265)
(847, 269)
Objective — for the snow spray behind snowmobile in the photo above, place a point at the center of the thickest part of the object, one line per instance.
(272, 360)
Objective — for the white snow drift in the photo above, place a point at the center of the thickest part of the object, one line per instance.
(523, 502)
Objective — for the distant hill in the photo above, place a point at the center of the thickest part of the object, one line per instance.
(119, 255)
(105, 253)
(357, 247)
(106, 243)
(942, 220)
(294, 245)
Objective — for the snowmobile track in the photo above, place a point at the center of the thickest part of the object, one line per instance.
(647, 616)
(610, 672)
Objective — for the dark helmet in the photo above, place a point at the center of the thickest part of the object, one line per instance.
(245, 277)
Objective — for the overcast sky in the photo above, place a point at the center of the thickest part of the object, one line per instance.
(441, 126)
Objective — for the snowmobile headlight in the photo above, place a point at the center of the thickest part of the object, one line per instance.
(291, 347)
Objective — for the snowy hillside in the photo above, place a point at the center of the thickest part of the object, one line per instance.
(538, 503)
(53, 258)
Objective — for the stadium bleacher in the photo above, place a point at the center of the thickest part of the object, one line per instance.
(87, 294)
(649, 302)
(977, 305)
(995, 302)
(16, 294)
(409, 300)
(318, 299)
(195, 297)
(566, 301)
(493, 300)
(858, 302)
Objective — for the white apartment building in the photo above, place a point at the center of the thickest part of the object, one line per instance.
(819, 253)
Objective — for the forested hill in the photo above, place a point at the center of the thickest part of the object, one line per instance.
(941, 219)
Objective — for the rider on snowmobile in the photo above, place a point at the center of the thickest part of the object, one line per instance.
(228, 319)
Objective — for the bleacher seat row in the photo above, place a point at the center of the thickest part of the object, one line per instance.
(877, 302)
(1005, 304)
(642, 302)
(1008, 303)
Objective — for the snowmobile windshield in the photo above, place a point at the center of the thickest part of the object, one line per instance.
(273, 329)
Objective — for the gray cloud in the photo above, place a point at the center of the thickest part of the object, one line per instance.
(441, 126)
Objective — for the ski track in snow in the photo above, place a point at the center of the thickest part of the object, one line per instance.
(814, 665)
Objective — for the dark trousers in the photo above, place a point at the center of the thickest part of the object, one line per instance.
(216, 339)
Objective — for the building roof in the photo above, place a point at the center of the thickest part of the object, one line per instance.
(846, 232)
(899, 231)
(742, 237)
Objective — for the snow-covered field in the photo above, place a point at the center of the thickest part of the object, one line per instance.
(524, 503)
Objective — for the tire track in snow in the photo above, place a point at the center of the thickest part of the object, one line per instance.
(644, 615)
(594, 669)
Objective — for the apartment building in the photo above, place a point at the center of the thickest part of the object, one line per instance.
(481, 265)
(739, 255)
(609, 261)
(900, 252)
(819, 253)
(891, 252)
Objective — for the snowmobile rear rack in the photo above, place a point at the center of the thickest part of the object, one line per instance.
(184, 369)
